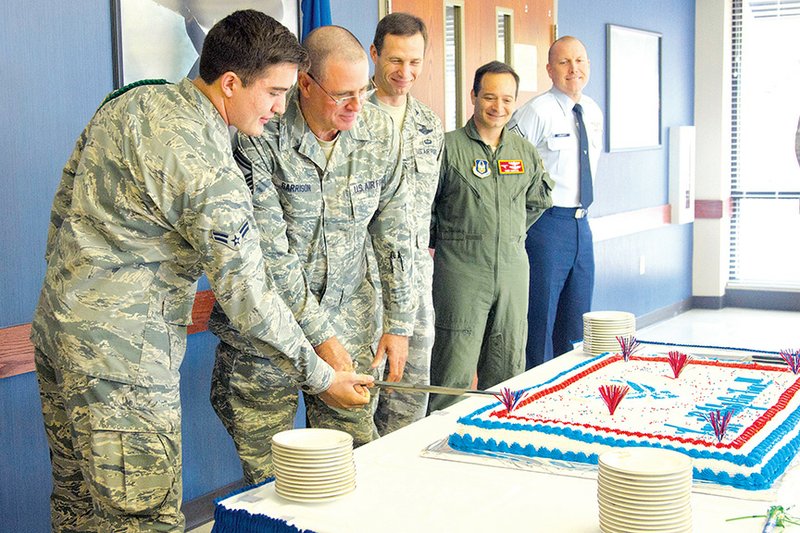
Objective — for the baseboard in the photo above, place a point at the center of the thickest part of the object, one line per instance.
(201, 510)
(709, 302)
(664, 313)
(761, 299)
(750, 299)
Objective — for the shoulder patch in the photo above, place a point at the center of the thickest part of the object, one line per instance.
(232, 241)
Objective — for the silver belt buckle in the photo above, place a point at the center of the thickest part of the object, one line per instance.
(580, 212)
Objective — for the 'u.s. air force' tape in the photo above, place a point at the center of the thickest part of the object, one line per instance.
(234, 240)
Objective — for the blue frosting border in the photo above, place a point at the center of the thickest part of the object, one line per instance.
(773, 468)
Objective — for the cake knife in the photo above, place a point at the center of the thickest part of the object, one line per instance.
(432, 389)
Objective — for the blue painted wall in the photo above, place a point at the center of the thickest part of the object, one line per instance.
(635, 180)
(53, 86)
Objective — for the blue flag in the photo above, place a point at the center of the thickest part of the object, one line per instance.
(316, 13)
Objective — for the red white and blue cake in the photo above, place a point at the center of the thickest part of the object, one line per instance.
(566, 417)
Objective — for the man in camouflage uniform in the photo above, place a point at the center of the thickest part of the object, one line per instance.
(398, 51)
(492, 188)
(150, 198)
(325, 180)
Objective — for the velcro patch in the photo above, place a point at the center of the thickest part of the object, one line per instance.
(511, 166)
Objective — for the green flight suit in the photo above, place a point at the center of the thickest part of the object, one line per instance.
(484, 205)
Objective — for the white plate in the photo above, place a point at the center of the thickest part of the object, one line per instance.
(644, 504)
(646, 481)
(312, 439)
(326, 470)
(317, 485)
(642, 492)
(643, 495)
(643, 462)
(315, 491)
(310, 456)
(621, 520)
(300, 466)
(608, 315)
(304, 495)
(612, 526)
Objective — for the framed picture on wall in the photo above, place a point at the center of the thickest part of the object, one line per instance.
(634, 88)
(163, 38)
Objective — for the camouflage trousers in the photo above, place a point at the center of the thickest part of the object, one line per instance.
(255, 399)
(115, 452)
(398, 409)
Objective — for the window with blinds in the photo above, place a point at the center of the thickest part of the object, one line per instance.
(765, 163)
(453, 75)
(505, 35)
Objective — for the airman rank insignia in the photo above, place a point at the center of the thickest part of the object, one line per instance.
(511, 166)
(233, 241)
(481, 168)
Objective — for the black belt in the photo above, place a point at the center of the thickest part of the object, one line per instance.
(573, 212)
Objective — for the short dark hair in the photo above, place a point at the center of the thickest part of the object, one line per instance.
(403, 24)
(247, 43)
(493, 67)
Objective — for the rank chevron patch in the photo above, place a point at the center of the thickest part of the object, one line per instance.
(232, 241)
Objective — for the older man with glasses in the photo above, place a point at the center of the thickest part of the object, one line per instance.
(327, 192)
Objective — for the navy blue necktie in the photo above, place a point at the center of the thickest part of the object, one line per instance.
(586, 191)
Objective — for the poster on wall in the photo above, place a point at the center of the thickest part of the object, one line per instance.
(634, 88)
(156, 39)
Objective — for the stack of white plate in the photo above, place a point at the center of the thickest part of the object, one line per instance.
(313, 465)
(644, 489)
(601, 328)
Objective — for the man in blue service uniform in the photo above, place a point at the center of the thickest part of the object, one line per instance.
(492, 187)
(566, 126)
(149, 199)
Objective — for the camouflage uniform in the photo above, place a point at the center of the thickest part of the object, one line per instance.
(316, 218)
(149, 199)
(421, 147)
(485, 202)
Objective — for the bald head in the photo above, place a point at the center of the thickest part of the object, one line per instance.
(331, 43)
(568, 66)
(567, 40)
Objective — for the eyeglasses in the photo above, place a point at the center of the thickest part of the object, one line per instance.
(344, 100)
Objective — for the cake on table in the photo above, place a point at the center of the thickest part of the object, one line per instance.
(739, 422)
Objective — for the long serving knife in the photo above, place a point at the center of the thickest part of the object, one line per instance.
(432, 389)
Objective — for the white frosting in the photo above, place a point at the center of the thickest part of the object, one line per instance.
(669, 411)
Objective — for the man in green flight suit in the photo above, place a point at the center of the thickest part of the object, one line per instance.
(149, 199)
(492, 188)
(326, 181)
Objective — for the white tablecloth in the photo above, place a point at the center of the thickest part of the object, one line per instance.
(400, 491)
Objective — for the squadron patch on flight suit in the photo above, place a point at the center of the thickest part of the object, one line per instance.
(511, 166)
(481, 168)
(232, 241)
